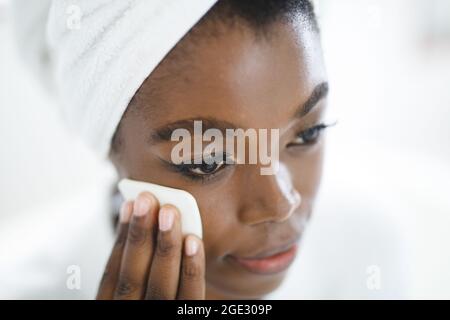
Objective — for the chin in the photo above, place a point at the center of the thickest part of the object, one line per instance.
(251, 287)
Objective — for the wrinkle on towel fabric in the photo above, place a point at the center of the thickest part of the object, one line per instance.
(103, 50)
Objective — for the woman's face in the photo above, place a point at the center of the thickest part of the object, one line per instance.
(235, 79)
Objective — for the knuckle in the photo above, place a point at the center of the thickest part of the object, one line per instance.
(137, 235)
(191, 271)
(156, 293)
(126, 287)
(121, 239)
(165, 248)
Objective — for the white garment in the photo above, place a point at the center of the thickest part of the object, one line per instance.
(101, 51)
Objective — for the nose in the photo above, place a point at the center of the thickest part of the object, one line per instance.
(271, 198)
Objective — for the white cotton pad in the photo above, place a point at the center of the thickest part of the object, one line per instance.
(191, 222)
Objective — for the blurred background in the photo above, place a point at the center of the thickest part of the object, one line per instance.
(382, 223)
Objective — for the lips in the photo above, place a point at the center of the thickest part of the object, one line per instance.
(270, 262)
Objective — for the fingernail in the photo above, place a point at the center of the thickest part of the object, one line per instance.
(125, 211)
(166, 218)
(142, 205)
(191, 246)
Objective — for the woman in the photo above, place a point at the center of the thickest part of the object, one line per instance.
(245, 64)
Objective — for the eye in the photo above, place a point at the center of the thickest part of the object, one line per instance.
(209, 167)
(205, 168)
(309, 136)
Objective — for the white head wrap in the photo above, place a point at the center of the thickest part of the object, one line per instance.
(103, 50)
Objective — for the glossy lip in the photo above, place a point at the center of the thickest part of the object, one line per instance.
(269, 262)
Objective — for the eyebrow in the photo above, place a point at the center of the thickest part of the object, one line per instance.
(164, 133)
(319, 93)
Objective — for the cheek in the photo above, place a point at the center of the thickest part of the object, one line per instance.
(219, 219)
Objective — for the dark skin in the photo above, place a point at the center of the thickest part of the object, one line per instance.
(276, 81)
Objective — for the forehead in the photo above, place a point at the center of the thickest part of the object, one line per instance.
(237, 77)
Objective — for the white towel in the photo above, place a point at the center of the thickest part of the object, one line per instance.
(103, 50)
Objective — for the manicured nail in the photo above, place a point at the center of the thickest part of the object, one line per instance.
(142, 205)
(191, 246)
(166, 218)
(125, 211)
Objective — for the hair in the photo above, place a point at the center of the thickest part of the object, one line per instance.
(258, 15)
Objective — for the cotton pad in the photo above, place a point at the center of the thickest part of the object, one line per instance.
(191, 222)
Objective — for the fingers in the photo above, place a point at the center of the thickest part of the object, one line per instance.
(109, 278)
(149, 259)
(138, 250)
(165, 269)
(192, 277)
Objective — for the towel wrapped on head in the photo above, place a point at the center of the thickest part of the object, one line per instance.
(103, 50)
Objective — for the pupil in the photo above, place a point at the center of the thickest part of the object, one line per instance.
(208, 167)
(309, 134)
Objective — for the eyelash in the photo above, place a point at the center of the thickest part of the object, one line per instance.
(187, 169)
(315, 131)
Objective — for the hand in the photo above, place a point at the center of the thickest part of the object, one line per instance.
(150, 258)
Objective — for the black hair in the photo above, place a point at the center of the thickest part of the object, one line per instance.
(259, 15)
